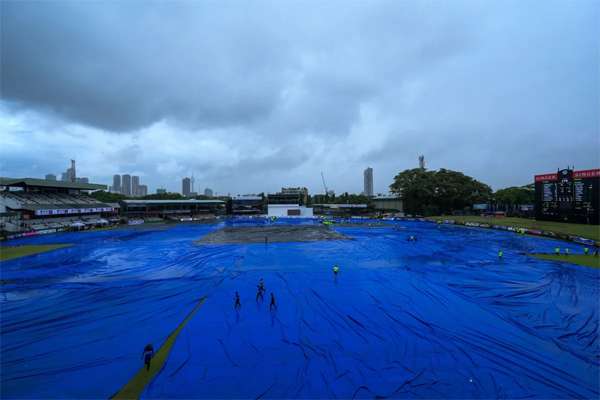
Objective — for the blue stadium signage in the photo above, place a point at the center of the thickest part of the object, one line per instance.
(73, 211)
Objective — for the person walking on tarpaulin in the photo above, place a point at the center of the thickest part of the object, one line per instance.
(260, 290)
(238, 303)
(273, 304)
(147, 355)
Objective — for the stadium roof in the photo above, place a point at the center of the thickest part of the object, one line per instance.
(174, 202)
(387, 197)
(49, 184)
(331, 205)
(34, 207)
(247, 198)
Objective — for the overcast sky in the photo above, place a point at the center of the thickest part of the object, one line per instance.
(252, 96)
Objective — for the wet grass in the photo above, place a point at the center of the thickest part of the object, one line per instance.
(583, 230)
(12, 252)
(134, 388)
(579, 259)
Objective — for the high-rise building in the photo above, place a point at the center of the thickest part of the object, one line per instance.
(70, 175)
(208, 192)
(186, 186)
(135, 186)
(73, 174)
(368, 182)
(116, 186)
(161, 191)
(126, 185)
(142, 190)
(50, 177)
(422, 162)
(82, 180)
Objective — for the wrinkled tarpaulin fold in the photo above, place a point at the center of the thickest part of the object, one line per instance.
(440, 317)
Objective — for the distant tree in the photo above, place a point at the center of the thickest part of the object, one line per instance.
(438, 192)
(323, 199)
(347, 198)
(222, 198)
(107, 197)
(417, 189)
(164, 196)
(511, 197)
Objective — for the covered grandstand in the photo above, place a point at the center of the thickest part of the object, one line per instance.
(388, 203)
(180, 210)
(342, 210)
(248, 205)
(45, 206)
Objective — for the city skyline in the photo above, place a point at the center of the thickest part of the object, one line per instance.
(128, 185)
(134, 181)
(133, 185)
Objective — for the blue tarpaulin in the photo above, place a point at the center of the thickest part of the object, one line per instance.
(439, 317)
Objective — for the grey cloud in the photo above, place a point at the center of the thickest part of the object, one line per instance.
(124, 66)
(117, 68)
(500, 90)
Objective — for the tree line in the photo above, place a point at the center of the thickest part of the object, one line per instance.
(444, 191)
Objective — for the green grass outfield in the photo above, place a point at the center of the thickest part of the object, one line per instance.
(586, 231)
(579, 259)
(12, 252)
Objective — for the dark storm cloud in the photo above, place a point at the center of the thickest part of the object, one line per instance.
(124, 66)
(252, 96)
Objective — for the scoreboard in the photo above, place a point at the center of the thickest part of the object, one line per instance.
(568, 195)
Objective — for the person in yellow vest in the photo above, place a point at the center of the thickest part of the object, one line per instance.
(500, 254)
(336, 270)
(557, 250)
(586, 251)
(566, 251)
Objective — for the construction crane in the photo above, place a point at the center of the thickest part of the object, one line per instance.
(324, 184)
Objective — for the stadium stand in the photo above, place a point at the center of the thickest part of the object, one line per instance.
(174, 210)
(41, 206)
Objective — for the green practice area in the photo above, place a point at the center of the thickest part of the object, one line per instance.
(12, 252)
(579, 259)
(586, 231)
